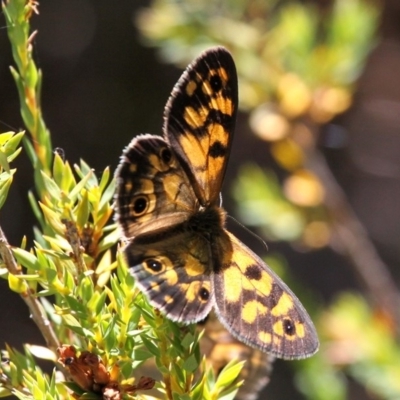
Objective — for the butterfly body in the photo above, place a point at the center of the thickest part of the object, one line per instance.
(168, 207)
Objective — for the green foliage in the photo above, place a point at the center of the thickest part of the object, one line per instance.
(262, 204)
(9, 150)
(268, 39)
(94, 308)
(28, 79)
(359, 343)
(94, 305)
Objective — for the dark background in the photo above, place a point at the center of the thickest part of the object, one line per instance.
(102, 86)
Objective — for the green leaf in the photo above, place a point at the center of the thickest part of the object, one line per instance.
(83, 210)
(17, 283)
(104, 179)
(3, 161)
(11, 145)
(150, 346)
(5, 137)
(108, 194)
(230, 372)
(4, 189)
(190, 364)
(26, 259)
(51, 186)
(80, 185)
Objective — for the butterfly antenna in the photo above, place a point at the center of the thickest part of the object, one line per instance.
(249, 231)
(8, 125)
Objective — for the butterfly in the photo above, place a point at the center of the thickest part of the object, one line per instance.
(167, 205)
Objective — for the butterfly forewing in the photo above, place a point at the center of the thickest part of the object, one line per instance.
(153, 191)
(200, 120)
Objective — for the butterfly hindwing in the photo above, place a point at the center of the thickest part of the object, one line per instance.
(258, 308)
(200, 120)
(173, 269)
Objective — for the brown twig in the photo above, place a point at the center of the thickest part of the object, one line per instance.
(38, 315)
(355, 242)
(72, 235)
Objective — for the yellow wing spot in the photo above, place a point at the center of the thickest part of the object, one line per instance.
(264, 337)
(197, 150)
(168, 299)
(284, 304)
(171, 185)
(223, 74)
(192, 290)
(218, 134)
(147, 186)
(221, 103)
(232, 284)
(191, 87)
(277, 341)
(171, 277)
(194, 268)
(243, 260)
(154, 286)
(251, 310)
(157, 164)
(128, 186)
(205, 144)
(300, 331)
(206, 88)
(196, 118)
(278, 328)
(132, 168)
(262, 285)
(152, 254)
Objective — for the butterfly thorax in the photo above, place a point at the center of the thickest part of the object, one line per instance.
(207, 222)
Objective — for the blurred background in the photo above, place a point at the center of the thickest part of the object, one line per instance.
(314, 168)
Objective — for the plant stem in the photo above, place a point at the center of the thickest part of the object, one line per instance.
(38, 315)
(355, 242)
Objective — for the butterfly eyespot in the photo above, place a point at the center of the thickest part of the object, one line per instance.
(154, 265)
(216, 83)
(166, 155)
(204, 294)
(289, 327)
(140, 205)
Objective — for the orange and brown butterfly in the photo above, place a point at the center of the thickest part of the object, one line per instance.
(168, 208)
